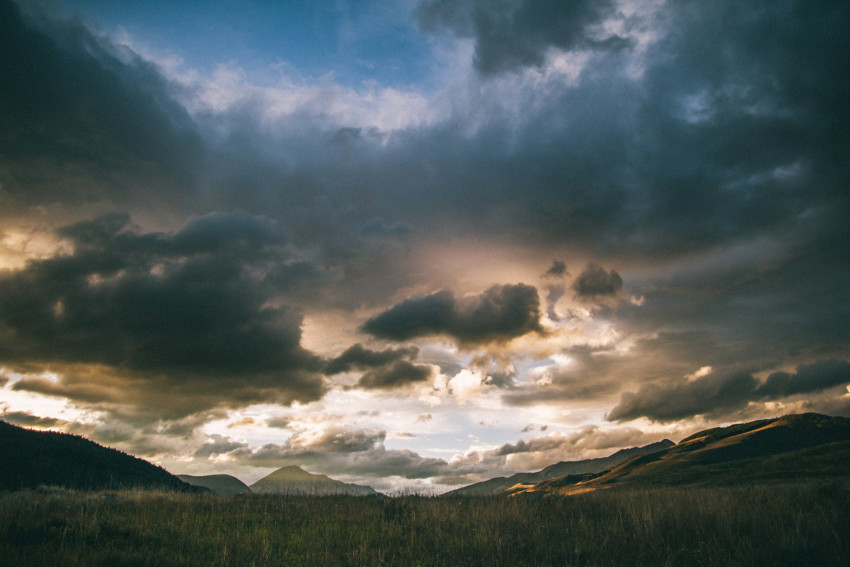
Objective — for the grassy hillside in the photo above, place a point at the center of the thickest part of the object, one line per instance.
(502, 485)
(34, 458)
(791, 448)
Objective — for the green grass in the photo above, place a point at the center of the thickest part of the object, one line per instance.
(778, 525)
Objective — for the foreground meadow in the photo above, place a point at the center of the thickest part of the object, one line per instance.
(787, 525)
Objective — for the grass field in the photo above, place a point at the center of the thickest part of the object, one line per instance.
(777, 525)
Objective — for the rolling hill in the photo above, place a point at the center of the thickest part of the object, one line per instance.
(294, 480)
(791, 448)
(44, 458)
(217, 483)
(502, 485)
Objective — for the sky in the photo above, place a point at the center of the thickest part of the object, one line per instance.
(417, 244)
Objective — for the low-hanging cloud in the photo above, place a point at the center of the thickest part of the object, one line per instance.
(399, 373)
(821, 375)
(358, 357)
(594, 282)
(26, 419)
(334, 451)
(716, 393)
(589, 437)
(500, 313)
(558, 269)
(382, 370)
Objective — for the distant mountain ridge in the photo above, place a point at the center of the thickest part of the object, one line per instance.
(45, 458)
(217, 483)
(502, 485)
(785, 449)
(295, 481)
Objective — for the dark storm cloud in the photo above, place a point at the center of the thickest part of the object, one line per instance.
(742, 137)
(558, 269)
(683, 399)
(85, 115)
(555, 286)
(808, 378)
(218, 446)
(385, 370)
(358, 357)
(721, 392)
(26, 419)
(190, 306)
(218, 232)
(395, 375)
(90, 390)
(512, 35)
(595, 282)
(754, 308)
(500, 313)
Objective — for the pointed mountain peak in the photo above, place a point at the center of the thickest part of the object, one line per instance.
(293, 472)
(295, 480)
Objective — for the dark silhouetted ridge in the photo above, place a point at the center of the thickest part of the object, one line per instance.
(44, 458)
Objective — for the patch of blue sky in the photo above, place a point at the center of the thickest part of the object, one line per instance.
(353, 42)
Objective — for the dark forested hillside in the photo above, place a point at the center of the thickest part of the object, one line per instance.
(29, 459)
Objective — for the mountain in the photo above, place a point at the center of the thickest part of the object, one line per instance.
(503, 485)
(35, 458)
(791, 448)
(293, 480)
(218, 483)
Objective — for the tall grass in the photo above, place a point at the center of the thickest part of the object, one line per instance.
(787, 525)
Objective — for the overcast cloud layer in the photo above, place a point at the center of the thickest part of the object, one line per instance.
(582, 226)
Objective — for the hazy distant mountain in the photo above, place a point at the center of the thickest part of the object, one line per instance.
(502, 485)
(786, 449)
(218, 483)
(29, 459)
(293, 480)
